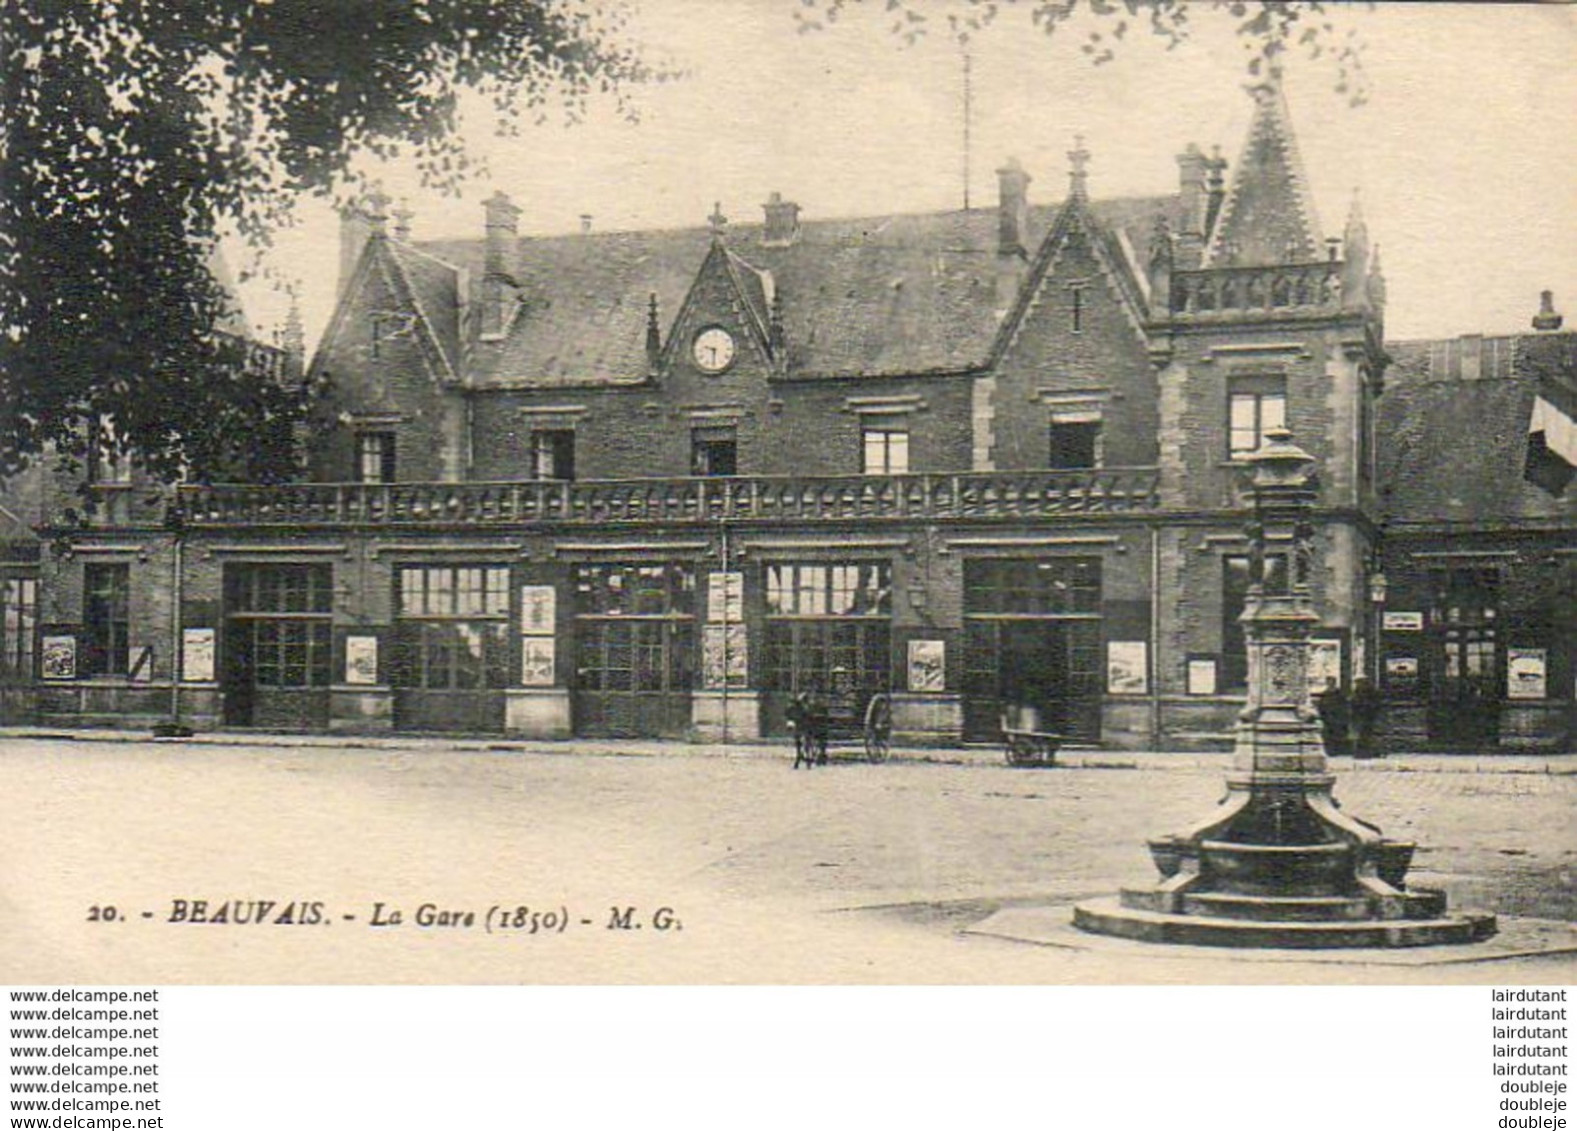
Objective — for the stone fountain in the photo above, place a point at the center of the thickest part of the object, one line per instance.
(1278, 863)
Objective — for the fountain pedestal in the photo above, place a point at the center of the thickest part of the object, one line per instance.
(1278, 863)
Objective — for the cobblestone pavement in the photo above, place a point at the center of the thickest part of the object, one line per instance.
(852, 873)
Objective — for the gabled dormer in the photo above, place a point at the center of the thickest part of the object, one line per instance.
(1070, 385)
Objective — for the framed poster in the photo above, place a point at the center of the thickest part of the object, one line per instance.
(1325, 664)
(927, 665)
(1201, 675)
(1126, 667)
(536, 661)
(58, 659)
(361, 660)
(1527, 675)
(1403, 622)
(538, 610)
(197, 655)
(1401, 667)
(725, 597)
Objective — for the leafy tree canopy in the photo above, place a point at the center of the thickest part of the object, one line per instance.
(1269, 30)
(134, 132)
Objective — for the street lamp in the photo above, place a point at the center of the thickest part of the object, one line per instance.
(1278, 863)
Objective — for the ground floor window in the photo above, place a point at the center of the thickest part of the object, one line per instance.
(635, 655)
(280, 625)
(18, 626)
(106, 616)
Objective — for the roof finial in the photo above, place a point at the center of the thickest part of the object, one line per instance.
(717, 221)
(654, 337)
(1078, 160)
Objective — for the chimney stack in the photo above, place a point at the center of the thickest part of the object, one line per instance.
(359, 223)
(1191, 167)
(502, 219)
(781, 227)
(1547, 318)
(1012, 209)
(1218, 190)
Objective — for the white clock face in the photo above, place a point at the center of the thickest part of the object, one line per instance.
(713, 349)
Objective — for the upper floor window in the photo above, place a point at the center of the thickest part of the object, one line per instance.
(1255, 407)
(553, 453)
(106, 617)
(714, 451)
(375, 457)
(885, 449)
(1075, 441)
(1076, 304)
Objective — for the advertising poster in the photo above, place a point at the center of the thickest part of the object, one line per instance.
(1126, 663)
(536, 661)
(197, 655)
(927, 665)
(361, 660)
(1526, 673)
(59, 657)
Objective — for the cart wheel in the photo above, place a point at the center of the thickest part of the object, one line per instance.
(878, 728)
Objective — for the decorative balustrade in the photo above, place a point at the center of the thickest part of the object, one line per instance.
(1254, 290)
(1009, 494)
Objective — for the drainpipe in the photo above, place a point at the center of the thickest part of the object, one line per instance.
(722, 526)
(1155, 638)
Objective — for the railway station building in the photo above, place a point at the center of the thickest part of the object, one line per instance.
(656, 483)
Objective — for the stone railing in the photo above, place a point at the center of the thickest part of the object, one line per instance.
(1254, 290)
(1012, 494)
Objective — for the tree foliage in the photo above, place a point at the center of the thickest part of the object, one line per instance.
(134, 133)
(1269, 30)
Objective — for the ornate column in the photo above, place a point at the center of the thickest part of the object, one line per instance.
(1278, 863)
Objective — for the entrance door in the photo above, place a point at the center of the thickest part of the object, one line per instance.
(635, 649)
(277, 640)
(1467, 670)
(1032, 639)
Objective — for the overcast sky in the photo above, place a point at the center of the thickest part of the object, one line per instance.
(1464, 153)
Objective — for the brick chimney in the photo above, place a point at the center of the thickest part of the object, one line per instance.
(1218, 190)
(358, 223)
(1012, 209)
(497, 285)
(1547, 318)
(1192, 166)
(781, 227)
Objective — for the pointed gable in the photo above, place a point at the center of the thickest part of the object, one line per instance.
(1268, 216)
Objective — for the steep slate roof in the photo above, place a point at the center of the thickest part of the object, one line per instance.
(1453, 431)
(872, 296)
(1269, 207)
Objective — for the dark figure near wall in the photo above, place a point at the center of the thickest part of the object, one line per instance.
(1365, 711)
(808, 720)
(1335, 718)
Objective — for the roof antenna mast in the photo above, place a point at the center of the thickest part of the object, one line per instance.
(967, 93)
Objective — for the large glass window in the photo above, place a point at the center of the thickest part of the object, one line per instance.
(828, 627)
(281, 617)
(1049, 587)
(634, 627)
(106, 615)
(1255, 407)
(453, 630)
(18, 626)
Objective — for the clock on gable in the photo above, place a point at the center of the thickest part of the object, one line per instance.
(713, 349)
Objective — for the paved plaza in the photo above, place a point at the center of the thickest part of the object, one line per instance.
(573, 864)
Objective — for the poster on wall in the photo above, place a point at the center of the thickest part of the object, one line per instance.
(725, 597)
(927, 665)
(1325, 664)
(1401, 667)
(361, 660)
(1126, 667)
(724, 656)
(1202, 675)
(59, 657)
(197, 655)
(1526, 673)
(536, 661)
(538, 610)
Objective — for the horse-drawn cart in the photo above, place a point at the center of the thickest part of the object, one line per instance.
(851, 718)
(1025, 740)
